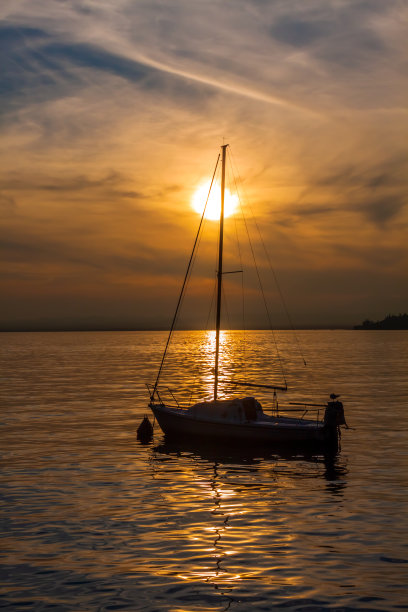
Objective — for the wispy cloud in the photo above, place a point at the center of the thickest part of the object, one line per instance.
(111, 113)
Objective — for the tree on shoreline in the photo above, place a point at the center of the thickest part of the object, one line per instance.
(399, 321)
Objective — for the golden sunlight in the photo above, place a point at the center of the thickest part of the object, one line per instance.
(214, 201)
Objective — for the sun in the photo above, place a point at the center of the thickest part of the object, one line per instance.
(213, 209)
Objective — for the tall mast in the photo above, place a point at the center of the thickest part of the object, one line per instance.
(219, 272)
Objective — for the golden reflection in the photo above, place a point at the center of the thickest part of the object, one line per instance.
(214, 201)
(189, 370)
(208, 357)
(225, 503)
(223, 510)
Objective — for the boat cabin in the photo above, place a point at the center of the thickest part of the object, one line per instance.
(238, 410)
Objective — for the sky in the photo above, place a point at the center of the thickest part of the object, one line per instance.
(113, 112)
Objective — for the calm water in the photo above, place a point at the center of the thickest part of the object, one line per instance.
(93, 520)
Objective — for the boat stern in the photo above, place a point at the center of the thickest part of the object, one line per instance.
(333, 419)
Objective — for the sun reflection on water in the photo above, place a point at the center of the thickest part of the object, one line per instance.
(229, 508)
(94, 520)
(189, 368)
(231, 360)
(221, 536)
(220, 499)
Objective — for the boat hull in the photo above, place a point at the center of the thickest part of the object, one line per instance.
(177, 423)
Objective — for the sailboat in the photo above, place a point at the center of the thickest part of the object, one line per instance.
(236, 418)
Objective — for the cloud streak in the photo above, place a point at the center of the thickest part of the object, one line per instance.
(111, 114)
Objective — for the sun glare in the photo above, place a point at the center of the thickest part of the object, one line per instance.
(214, 202)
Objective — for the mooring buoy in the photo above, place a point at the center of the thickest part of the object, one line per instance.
(145, 430)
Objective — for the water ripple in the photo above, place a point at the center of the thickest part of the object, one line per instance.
(93, 520)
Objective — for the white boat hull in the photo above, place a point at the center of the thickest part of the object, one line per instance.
(176, 422)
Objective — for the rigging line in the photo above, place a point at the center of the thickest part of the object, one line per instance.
(196, 370)
(203, 221)
(196, 246)
(277, 285)
(184, 283)
(230, 181)
(225, 300)
(260, 283)
(224, 294)
(212, 302)
(243, 323)
(202, 230)
(226, 309)
(189, 271)
(280, 294)
(242, 288)
(230, 329)
(194, 255)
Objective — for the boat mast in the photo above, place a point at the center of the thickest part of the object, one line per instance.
(219, 272)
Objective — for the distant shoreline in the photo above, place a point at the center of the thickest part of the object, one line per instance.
(396, 322)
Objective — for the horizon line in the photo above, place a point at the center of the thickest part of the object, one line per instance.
(62, 329)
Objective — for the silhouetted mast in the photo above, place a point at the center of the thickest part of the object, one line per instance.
(219, 272)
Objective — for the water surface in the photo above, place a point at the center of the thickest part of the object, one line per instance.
(94, 520)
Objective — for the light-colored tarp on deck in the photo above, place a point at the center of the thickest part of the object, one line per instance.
(239, 410)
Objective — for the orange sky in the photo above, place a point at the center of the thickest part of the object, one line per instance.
(113, 115)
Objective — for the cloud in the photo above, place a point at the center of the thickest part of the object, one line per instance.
(336, 35)
(381, 210)
(109, 184)
(111, 115)
(34, 61)
(7, 203)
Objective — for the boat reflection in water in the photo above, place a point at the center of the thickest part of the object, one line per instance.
(330, 464)
(239, 521)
